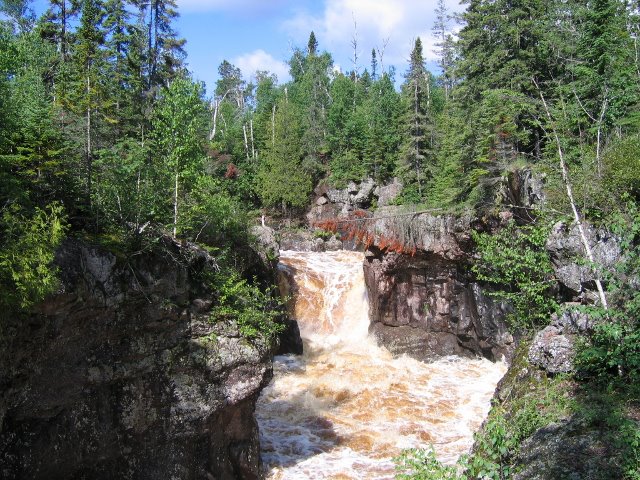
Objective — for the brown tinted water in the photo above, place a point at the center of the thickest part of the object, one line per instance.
(346, 407)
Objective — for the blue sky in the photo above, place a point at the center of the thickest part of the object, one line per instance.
(260, 34)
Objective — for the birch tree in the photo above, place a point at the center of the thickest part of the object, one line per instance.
(178, 133)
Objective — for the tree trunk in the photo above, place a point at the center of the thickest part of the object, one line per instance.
(273, 125)
(175, 206)
(88, 152)
(253, 148)
(246, 142)
(576, 215)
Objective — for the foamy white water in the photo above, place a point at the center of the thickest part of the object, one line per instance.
(346, 407)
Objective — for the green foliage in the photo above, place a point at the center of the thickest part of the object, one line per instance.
(418, 464)
(256, 312)
(421, 99)
(515, 262)
(612, 409)
(613, 347)
(622, 168)
(282, 178)
(213, 216)
(179, 125)
(26, 254)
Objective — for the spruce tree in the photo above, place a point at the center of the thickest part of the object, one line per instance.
(283, 182)
(88, 96)
(418, 122)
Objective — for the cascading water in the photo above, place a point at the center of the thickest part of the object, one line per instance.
(346, 407)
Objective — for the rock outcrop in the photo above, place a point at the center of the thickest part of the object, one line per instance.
(426, 304)
(568, 257)
(121, 375)
(331, 203)
(553, 347)
(309, 241)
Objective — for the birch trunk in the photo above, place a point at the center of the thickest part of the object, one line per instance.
(175, 206)
(576, 214)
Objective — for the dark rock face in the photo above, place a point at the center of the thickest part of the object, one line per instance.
(121, 375)
(520, 190)
(424, 306)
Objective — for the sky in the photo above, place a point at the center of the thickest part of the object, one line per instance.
(260, 34)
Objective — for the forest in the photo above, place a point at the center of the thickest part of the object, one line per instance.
(105, 135)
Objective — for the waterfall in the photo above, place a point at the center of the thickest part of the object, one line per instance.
(346, 407)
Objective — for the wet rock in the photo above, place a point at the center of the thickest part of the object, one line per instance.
(302, 241)
(289, 341)
(333, 244)
(307, 241)
(121, 375)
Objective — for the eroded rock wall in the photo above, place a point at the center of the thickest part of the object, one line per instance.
(425, 306)
(121, 375)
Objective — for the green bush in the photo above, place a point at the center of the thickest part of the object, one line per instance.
(514, 261)
(613, 347)
(255, 312)
(422, 464)
(28, 246)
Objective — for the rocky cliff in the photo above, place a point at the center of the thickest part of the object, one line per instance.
(423, 301)
(426, 306)
(121, 375)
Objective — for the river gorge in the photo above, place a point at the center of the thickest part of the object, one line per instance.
(347, 406)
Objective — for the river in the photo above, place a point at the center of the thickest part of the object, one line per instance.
(346, 407)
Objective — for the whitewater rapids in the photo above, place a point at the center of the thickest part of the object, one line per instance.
(346, 407)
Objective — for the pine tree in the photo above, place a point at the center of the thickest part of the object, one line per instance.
(444, 44)
(166, 51)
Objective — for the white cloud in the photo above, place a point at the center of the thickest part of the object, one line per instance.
(249, 63)
(249, 6)
(397, 22)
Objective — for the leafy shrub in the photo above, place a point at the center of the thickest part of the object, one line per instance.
(256, 312)
(213, 216)
(622, 166)
(422, 464)
(28, 247)
(613, 347)
(514, 261)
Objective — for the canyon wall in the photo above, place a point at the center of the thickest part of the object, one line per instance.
(121, 375)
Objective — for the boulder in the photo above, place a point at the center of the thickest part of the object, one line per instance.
(388, 193)
(566, 450)
(266, 244)
(553, 348)
(364, 194)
